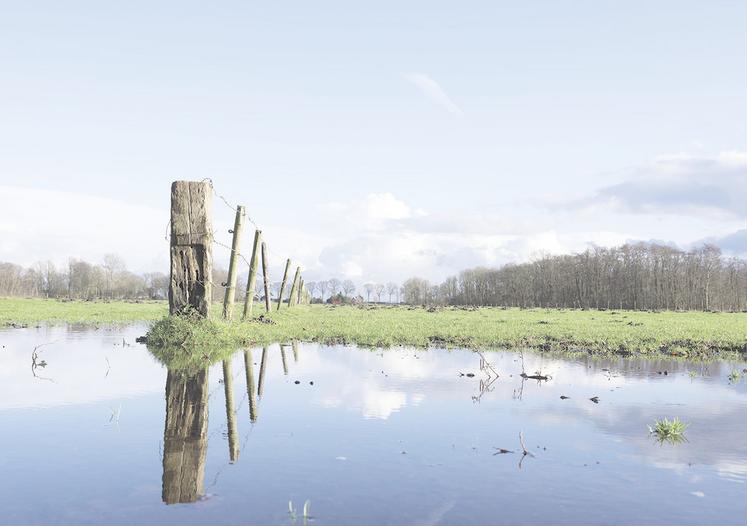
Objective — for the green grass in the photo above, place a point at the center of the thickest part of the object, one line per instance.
(665, 430)
(686, 334)
(32, 311)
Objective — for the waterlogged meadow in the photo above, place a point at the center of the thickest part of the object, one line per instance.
(98, 429)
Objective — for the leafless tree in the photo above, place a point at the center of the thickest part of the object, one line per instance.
(391, 289)
(349, 287)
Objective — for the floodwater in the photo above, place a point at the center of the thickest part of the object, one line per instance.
(102, 433)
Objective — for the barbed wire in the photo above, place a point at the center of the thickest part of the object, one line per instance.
(230, 248)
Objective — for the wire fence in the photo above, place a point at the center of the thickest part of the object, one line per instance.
(241, 257)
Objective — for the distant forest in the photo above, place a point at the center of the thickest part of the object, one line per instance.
(110, 280)
(640, 276)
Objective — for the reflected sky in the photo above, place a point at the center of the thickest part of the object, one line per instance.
(105, 433)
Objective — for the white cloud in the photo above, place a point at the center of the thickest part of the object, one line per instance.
(680, 184)
(433, 90)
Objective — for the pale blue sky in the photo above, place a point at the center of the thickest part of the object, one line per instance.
(463, 132)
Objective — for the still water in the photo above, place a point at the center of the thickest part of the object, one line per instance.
(102, 433)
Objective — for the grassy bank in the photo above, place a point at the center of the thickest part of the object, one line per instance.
(685, 334)
(680, 333)
(32, 311)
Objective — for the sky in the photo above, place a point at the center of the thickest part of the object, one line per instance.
(373, 141)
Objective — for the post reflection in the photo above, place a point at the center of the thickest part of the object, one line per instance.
(262, 369)
(186, 426)
(251, 392)
(185, 436)
(233, 433)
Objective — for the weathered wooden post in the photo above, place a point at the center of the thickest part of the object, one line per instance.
(294, 288)
(282, 283)
(233, 263)
(299, 300)
(264, 277)
(191, 274)
(233, 433)
(262, 368)
(185, 436)
(251, 392)
(294, 343)
(283, 359)
(251, 281)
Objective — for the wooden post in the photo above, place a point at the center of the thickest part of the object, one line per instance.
(191, 274)
(264, 277)
(233, 264)
(283, 359)
(299, 300)
(294, 288)
(251, 392)
(282, 283)
(252, 280)
(185, 437)
(294, 343)
(233, 433)
(262, 368)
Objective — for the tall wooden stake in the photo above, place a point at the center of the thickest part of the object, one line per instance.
(251, 281)
(299, 300)
(233, 264)
(282, 283)
(191, 274)
(294, 288)
(233, 433)
(264, 277)
(262, 368)
(251, 392)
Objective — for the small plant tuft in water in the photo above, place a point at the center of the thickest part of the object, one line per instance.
(666, 430)
(735, 376)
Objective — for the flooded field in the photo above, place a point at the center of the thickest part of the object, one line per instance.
(96, 431)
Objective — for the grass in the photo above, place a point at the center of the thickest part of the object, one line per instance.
(32, 311)
(685, 334)
(672, 431)
(691, 334)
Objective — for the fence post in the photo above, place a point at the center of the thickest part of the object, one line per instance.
(233, 433)
(238, 226)
(282, 283)
(191, 249)
(299, 299)
(264, 277)
(252, 279)
(251, 392)
(294, 288)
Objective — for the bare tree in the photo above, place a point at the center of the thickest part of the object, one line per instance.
(310, 288)
(323, 285)
(369, 288)
(334, 286)
(378, 289)
(349, 287)
(391, 289)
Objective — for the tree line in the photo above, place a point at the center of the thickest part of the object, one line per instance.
(110, 279)
(82, 280)
(638, 276)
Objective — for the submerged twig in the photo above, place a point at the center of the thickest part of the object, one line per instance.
(35, 364)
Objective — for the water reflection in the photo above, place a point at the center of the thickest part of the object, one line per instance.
(250, 388)
(233, 433)
(185, 436)
(369, 437)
